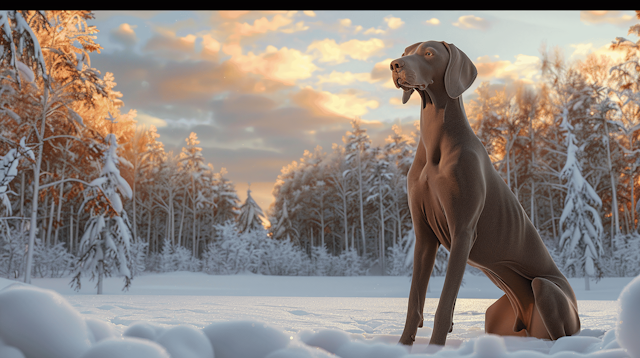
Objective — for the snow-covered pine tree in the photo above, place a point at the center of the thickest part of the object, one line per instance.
(106, 242)
(226, 199)
(283, 229)
(9, 170)
(321, 261)
(192, 163)
(250, 214)
(580, 224)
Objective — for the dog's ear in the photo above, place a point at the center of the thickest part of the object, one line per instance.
(460, 73)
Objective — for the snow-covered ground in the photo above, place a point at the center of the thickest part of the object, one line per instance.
(185, 314)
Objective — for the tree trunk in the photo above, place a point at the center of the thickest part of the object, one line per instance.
(22, 188)
(346, 228)
(77, 230)
(322, 218)
(100, 275)
(71, 231)
(633, 201)
(133, 198)
(626, 218)
(533, 161)
(181, 224)
(364, 244)
(60, 196)
(382, 263)
(51, 208)
(36, 188)
(533, 200)
(614, 191)
(195, 216)
(586, 282)
(167, 228)
(553, 217)
(507, 148)
(149, 233)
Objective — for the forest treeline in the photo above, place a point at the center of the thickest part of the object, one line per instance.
(96, 194)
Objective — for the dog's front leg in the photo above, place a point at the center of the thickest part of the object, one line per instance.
(459, 253)
(462, 196)
(424, 257)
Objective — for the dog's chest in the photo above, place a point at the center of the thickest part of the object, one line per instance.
(425, 187)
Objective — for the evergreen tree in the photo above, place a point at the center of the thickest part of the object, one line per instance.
(106, 242)
(193, 166)
(9, 170)
(226, 199)
(580, 223)
(250, 214)
(283, 229)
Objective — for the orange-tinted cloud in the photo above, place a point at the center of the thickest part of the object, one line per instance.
(281, 65)
(393, 22)
(346, 104)
(167, 44)
(610, 17)
(124, 34)
(261, 25)
(232, 14)
(524, 67)
(335, 53)
(345, 78)
(432, 22)
(472, 22)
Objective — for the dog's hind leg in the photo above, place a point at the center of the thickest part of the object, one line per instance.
(500, 317)
(554, 315)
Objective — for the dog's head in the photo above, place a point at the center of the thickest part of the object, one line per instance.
(434, 63)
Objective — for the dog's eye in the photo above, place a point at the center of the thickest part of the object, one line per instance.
(428, 53)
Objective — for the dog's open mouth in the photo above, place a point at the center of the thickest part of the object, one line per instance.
(408, 89)
(406, 86)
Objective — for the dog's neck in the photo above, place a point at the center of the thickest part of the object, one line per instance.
(443, 124)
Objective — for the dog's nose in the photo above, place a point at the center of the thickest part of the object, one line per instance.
(397, 64)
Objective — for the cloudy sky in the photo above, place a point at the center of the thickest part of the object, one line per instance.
(259, 88)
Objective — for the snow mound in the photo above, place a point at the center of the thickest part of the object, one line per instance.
(244, 339)
(10, 352)
(143, 330)
(327, 339)
(628, 325)
(300, 350)
(489, 346)
(186, 342)
(99, 329)
(126, 347)
(27, 312)
(578, 344)
(358, 349)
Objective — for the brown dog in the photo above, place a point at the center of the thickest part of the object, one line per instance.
(458, 199)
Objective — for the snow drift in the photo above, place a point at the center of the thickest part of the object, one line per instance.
(37, 322)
